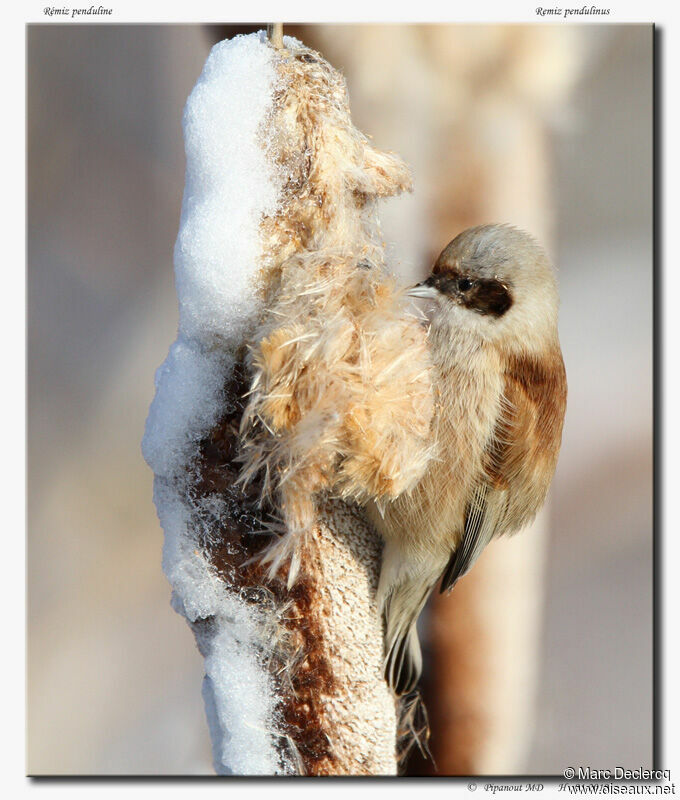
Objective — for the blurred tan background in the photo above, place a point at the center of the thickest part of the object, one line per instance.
(550, 129)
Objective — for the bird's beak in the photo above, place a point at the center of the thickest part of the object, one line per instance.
(424, 289)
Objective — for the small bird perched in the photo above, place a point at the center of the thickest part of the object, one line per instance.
(501, 398)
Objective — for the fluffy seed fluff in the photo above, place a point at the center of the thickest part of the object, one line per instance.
(341, 398)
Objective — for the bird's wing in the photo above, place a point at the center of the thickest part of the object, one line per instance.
(484, 518)
(520, 458)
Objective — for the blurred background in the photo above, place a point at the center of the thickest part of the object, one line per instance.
(543, 657)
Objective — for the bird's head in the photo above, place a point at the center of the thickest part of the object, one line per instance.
(496, 281)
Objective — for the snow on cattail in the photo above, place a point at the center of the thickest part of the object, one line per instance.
(299, 388)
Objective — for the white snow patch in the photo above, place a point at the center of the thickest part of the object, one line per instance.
(230, 185)
(188, 402)
(198, 590)
(239, 701)
(237, 696)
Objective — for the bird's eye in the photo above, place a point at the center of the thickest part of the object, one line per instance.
(464, 284)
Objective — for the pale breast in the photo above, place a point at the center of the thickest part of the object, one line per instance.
(430, 518)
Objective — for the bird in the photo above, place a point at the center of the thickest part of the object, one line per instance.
(500, 401)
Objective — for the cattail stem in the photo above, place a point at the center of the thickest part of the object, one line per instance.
(275, 34)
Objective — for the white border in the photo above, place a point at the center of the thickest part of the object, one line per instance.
(13, 327)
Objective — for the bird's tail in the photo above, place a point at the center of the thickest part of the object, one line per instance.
(402, 601)
(404, 662)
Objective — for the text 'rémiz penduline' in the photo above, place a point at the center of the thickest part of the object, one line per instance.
(91, 11)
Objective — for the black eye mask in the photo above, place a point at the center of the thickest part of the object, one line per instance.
(484, 295)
